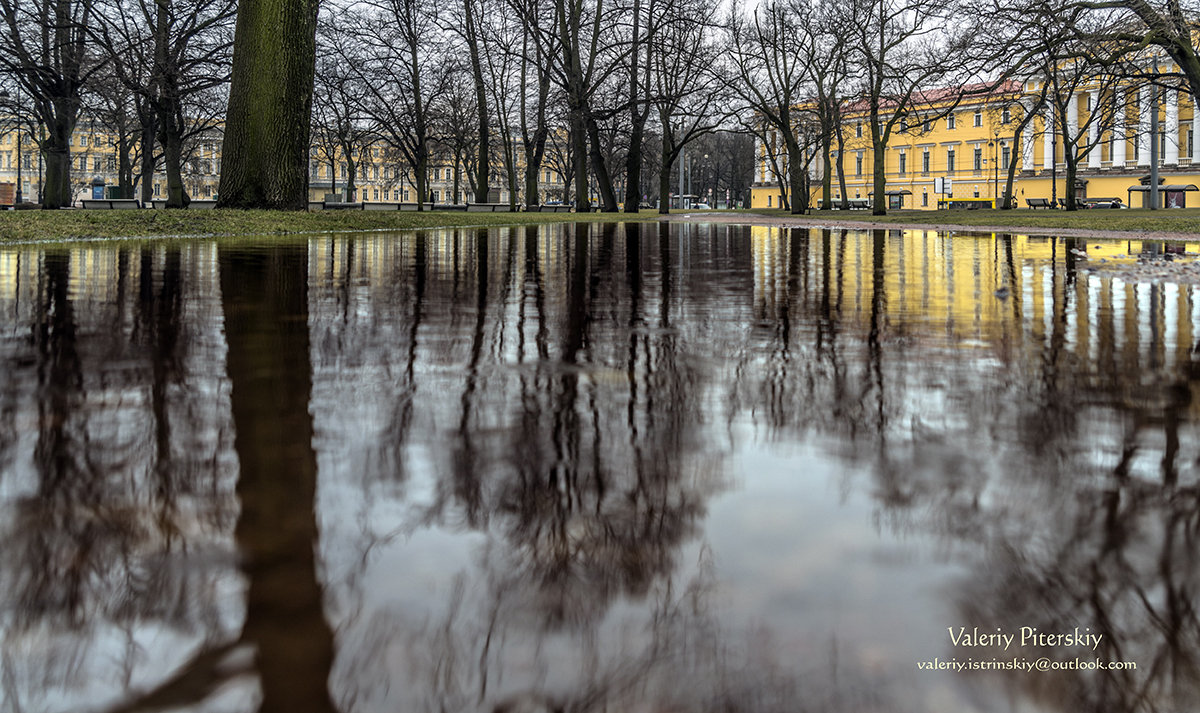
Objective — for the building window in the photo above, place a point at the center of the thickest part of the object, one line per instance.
(768, 201)
(1005, 156)
(96, 164)
(1005, 116)
(208, 191)
(978, 162)
(547, 176)
(83, 163)
(925, 161)
(904, 123)
(83, 140)
(903, 163)
(406, 194)
(111, 164)
(950, 121)
(858, 164)
(858, 130)
(924, 199)
(157, 189)
(978, 118)
(375, 194)
(950, 160)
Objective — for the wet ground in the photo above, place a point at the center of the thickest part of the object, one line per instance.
(659, 467)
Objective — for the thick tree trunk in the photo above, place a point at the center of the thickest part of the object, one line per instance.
(827, 172)
(351, 173)
(878, 182)
(124, 168)
(798, 187)
(579, 145)
(664, 184)
(265, 155)
(633, 166)
(147, 162)
(599, 169)
(172, 144)
(637, 119)
(482, 165)
(56, 191)
(841, 168)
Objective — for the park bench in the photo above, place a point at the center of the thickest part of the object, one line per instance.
(554, 208)
(111, 204)
(1039, 203)
(1101, 203)
(859, 204)
(160, 204)
(489, 208)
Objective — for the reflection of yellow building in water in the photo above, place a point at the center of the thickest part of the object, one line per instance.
(971, 147)
(1003, 292)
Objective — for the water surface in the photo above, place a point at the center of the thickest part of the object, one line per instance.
(632, 467)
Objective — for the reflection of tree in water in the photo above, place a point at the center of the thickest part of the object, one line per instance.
(1069, 473)
(124, 503)
(674, 652)
(570, 433)
(596, 497)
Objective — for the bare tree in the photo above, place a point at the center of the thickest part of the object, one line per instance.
(686, 87)
(47, 48)
(340, 129)
(905, 48)
(400, 55)
(769, 77)
(166, 53)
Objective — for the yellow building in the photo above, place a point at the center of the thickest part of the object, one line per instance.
(962, 156)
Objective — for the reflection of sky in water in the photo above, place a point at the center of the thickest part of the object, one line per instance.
(629, 470)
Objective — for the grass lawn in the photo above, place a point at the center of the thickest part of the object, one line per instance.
(64, 225)
(37, 225)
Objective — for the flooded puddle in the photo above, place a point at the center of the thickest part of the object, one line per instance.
(659, 467)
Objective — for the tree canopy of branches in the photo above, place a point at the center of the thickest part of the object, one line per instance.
(47, 48)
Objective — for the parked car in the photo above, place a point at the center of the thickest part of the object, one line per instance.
(701, 206)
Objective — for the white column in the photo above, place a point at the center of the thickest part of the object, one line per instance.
(1172, 128)
(1094, 128)
(1118, 135)
(1072, 116)
(759, 158)
(1027, 147)
(1143, 132)
(1195, 132)
(1048, 140)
